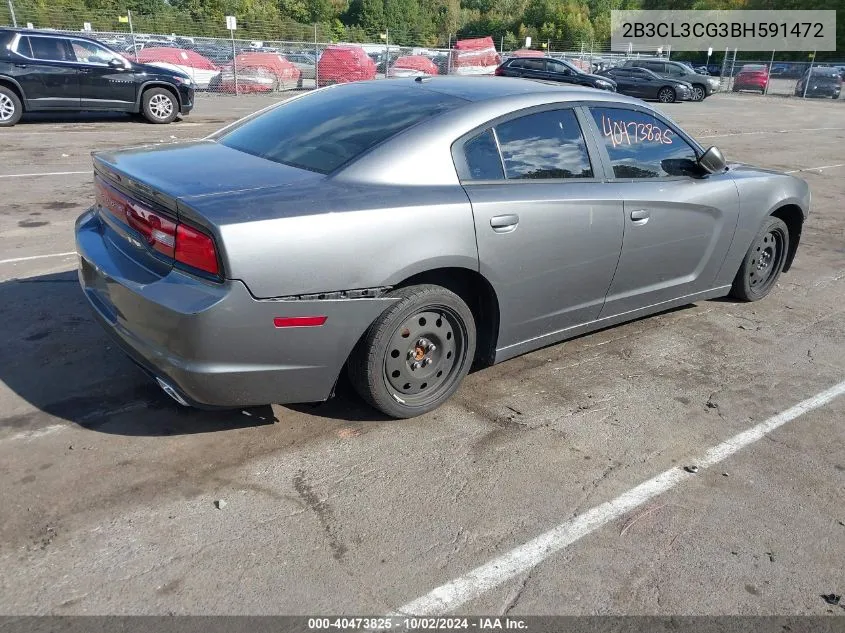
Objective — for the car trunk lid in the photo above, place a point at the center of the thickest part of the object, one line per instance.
(140, 192)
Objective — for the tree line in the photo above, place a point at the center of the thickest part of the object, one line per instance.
(561, 24)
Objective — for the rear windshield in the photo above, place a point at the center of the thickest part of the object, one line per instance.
(327, 129)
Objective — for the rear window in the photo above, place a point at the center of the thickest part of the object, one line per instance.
(327, 129)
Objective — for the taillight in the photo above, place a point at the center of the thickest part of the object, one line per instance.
(499, 71)
(177, 241)
(196, 249)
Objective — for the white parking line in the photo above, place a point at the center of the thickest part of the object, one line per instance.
(31, 257)
(47, 173)
(756, 132)
(446, 598)
(795, 171)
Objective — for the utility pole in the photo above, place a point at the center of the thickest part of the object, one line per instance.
(12, 14)
(809, 76)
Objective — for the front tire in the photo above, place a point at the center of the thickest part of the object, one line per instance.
(698, 92)
(666, 95)
(11, 108)
(763, 262)
(415, 355)
(159, 105)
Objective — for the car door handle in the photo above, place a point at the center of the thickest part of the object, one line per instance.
(21, 65)
(640, 216)
(504, 223)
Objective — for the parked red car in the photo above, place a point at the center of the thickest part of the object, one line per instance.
(527, 52)
(412, 66)
(342, 64)
(752, 77)
(476, 56)
(258, 72)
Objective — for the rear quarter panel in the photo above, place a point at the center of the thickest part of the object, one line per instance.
(333, 236)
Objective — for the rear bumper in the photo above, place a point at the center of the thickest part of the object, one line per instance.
(214, 343)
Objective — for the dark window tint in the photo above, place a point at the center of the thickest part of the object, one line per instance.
(515, 63)
(642, 146)
(676, 71)
(657, 67)
(544, 145)
(532, 64)
(641, 74)
(51, 49)
(482, 157)
(24, 48)
(327, 129)
(557, 67)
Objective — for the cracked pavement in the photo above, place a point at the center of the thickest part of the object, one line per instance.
(109, 488)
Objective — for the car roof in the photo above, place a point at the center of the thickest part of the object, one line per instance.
(401, 158)
(41, 33)
(488, 88)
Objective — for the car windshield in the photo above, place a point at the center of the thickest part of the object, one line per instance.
(327, 129)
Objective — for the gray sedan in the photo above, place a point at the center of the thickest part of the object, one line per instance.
(405, 230)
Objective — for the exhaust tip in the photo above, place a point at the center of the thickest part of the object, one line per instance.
(170, 391)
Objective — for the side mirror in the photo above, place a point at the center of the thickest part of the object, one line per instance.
(117, 63)
(712, 161)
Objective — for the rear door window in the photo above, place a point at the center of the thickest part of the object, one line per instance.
(544, 145)
(51, 49)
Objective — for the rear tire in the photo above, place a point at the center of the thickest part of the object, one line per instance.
(763, 262)
(159, 105)
(11, 108)
(416, 353)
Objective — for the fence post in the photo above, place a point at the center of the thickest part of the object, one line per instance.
(449, 56)
(234, 61)
(769, 80)
(501, 43)
(12, 14)
(733, 68)
(316, 59)
(809, 76)
(132, 32)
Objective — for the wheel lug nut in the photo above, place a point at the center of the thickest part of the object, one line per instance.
(432, 347)
(421, 343)
(428, 362)
(415, 365)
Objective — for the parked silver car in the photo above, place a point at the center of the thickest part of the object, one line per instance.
(406, 229)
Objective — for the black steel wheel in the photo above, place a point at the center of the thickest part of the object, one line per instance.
(763, 262)
(666, 95)
(415, 355)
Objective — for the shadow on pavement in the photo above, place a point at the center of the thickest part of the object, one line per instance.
(57, 358)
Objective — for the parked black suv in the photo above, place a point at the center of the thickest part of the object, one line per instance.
(552, 70)
(52, 72)
(702, 85)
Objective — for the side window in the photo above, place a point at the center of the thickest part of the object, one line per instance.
(674, 71)
(544, 145)
(516, 63)
(642, 146)
(657, 67)
(50, 49)
(90, 53)
(482, 157)
(24, 47)
(533, 64)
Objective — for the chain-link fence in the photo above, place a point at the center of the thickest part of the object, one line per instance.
(263, 56)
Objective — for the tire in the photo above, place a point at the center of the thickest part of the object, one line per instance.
(698, 92)
(763, 262)
(159, 105)
(388, 367)
(11, 108)
(666, 95)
